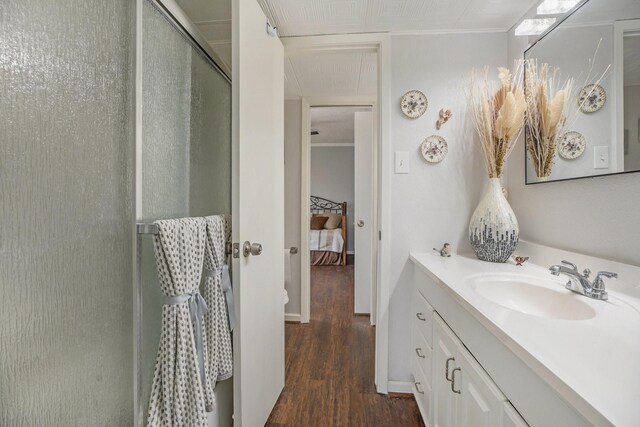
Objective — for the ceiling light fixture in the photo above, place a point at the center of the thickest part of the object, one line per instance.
(553, 7)
(533, 27)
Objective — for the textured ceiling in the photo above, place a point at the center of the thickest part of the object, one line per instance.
(313, 17)
(350, 74)
(331, 74)
(335, 124)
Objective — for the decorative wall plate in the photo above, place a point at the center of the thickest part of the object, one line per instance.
(591, 98)
(571, 145)
(414, 104)
(434, 149)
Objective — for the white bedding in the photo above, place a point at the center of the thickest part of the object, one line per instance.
(326, 240)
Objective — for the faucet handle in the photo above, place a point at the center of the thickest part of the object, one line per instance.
(607, 274)
(598, 283)
(586, 273)
(570, 264)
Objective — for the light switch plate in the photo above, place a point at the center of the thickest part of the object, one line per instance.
(402, 162)
(601, 157)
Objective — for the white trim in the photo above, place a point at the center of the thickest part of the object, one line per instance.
(384, 214)
(405, 32)
(293, 98)
(375, 246)
(350, 253)
(332, 144)
(381, 43)
(448, 31)
(292, 317)
(400, 387)
(305, 190)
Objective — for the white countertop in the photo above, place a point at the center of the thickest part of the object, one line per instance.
(593, 364)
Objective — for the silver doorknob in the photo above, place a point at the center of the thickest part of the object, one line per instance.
(256, 249)
(360, 223)
(249, 248)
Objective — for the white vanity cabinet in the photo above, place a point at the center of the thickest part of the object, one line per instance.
(422, 355)
(450, 386)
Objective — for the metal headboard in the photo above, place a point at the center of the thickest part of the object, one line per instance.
(321, 205)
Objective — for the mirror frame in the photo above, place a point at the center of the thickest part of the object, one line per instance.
(558, 22)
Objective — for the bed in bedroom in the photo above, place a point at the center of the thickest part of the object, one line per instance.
(328, 233)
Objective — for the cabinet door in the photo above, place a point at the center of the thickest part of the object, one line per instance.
(444, 361)
(480, 402)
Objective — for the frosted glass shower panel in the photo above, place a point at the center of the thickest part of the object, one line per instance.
(66, 139)
(185, 155)
(210, 151)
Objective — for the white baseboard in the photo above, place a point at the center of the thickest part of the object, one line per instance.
(292, 317)
(400, 387)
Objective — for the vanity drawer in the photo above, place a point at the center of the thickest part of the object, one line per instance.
(422, 392)
(423, 317)
(421, 354)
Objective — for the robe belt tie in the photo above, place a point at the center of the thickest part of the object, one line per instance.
(227, 289)
(197, 308)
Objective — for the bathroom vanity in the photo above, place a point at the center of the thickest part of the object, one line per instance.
(506, 345)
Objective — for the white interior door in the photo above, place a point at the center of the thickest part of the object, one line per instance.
(363, 210)
(258, 214)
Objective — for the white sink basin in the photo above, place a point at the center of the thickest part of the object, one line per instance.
(533, 296)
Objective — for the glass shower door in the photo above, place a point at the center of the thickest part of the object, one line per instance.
(66, 212)
(185, 165)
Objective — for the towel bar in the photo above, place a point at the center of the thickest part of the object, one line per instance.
(142, 228)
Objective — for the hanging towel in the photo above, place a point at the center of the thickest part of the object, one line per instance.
(219, 297)
(180, 394)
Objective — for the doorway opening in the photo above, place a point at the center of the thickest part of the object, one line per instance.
(341, 166)
(332, 71)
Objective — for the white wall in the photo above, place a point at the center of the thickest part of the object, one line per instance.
(292, 172)
(332, 178)
(595, 216)
(433, 203)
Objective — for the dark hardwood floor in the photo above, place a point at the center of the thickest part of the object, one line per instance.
(330, 364)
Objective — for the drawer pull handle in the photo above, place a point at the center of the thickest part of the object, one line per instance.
(420, 316)
(453, 380)
(420, 353)
(417, 384)
(446, 372)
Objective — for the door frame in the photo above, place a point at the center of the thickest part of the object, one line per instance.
(305, 191)
(379, 43)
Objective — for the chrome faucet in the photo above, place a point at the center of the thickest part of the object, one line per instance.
(580, 283)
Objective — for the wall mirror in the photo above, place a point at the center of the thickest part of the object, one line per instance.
(602, 133)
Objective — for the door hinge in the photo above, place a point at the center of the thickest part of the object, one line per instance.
(379, 234)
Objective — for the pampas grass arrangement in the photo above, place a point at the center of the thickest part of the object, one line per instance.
(497, 113)
(547, 102)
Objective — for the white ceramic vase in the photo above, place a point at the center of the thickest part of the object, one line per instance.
(493, 229)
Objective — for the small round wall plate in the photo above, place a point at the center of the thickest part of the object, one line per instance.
(591, 98)
(571, 145)
(414, 104)
(434, 149)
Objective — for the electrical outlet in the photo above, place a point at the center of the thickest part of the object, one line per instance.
(601, 157)
(402, 162)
